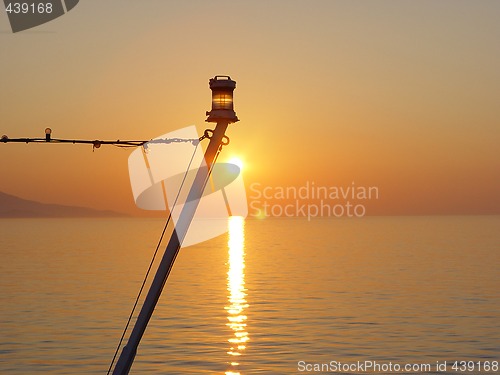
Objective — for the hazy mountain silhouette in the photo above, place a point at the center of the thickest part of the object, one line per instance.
(12, 207)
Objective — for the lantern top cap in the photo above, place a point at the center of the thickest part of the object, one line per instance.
(222, 82)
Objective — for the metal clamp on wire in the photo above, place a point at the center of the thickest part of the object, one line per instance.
(208, 134)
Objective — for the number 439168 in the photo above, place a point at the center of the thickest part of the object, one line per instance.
(475, 366)
(24, 8)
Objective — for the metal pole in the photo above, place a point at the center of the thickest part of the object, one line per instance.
(128, 353)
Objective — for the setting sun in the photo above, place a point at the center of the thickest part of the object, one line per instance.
(236, 161)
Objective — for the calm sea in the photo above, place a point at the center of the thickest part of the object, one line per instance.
(271, 297)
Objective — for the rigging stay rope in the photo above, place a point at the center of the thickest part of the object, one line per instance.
(207, 134)
(152, 262)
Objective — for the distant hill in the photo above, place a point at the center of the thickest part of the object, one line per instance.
(15, 207)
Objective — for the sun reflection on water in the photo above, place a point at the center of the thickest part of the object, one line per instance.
(237, 320)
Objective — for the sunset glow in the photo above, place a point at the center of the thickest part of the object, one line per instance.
(367, 95)
(236, 161)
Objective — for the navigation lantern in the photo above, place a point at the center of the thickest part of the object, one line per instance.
(222, 100)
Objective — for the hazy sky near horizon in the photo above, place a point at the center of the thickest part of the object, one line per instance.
(402, 95)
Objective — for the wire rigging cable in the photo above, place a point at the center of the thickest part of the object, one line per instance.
(98, 143)
(153, 259)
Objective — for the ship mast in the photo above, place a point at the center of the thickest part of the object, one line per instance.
(222, 114)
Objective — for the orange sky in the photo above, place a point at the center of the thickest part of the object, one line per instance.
(399, 95)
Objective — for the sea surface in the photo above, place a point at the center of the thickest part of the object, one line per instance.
(272, 297)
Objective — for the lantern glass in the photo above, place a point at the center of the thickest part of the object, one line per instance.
(222, 100)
